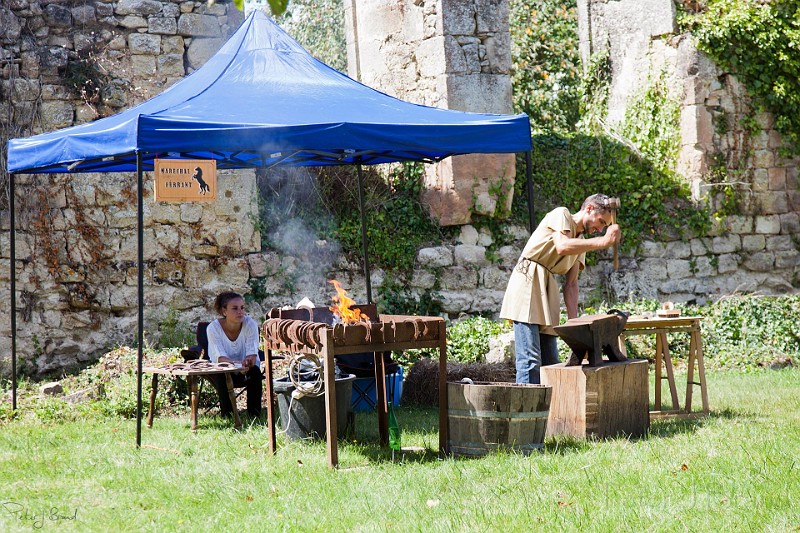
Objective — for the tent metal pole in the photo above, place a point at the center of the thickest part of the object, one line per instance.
(362, 210)
(140, 282)
(13, 277)
(529, 177)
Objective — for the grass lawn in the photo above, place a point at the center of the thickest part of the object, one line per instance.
(737, 470)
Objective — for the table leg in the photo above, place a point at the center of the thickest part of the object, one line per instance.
(673, 389)
(701, 371)
(192, 382)
(659, 348)
(270, 403)
(237, 423)
(443, 433)
(380, 397)
(153, 392)
(331, 424)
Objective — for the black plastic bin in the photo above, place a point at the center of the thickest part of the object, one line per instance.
(307, 417)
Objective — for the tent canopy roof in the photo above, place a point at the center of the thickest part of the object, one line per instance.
(263, 100)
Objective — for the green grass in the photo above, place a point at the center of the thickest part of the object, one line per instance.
(735, 470)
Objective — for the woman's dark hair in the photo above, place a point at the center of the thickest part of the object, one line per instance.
(221, 302)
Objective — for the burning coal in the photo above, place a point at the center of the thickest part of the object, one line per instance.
(342, 307)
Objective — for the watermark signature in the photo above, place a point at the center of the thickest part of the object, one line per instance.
(38, 517)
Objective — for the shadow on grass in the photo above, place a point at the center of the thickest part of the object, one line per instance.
(668, 427)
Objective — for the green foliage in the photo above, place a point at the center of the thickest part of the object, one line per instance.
(760, 328)
(318, 25)
(566, 169)
(467, 341)
(173, 332)
(758, 41)
(651, 123)
(545, 62)
(395, 298)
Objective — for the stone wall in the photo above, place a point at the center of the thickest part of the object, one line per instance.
(754, 246)
(454, 54)
(76, 234)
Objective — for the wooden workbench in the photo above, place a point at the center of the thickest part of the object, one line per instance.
(660, 327)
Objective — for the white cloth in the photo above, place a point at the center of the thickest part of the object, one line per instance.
(245, 344)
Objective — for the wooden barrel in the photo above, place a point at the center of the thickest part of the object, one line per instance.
(483, 417)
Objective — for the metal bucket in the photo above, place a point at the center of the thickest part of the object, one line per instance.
(483, 417)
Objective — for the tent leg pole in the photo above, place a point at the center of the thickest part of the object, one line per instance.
(140, 287)
(13, 277)
(529, 178)
(362, 210)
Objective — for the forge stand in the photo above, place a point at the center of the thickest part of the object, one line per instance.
(390, 333)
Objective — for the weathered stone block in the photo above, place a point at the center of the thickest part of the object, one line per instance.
(787, 259)
(763, 158)
(780, 242)
(423, 279)
(727, 263)
(790, 223)
(488, 301)
(678, 268)
(57, 114)
(469, 255)
(753, 243)
(132, 22)
(459, 278)
(678, 250)
(171, 65)
(194, 25)
(162, 25)
(773, 202)
(439, 256)
(740, 224)
(458, 17)
(201, 49)
(768, 224)
(726, 244)
(144, 43)
(760, 262)
(468, 235)
(454, 302)
(493, 278)
(138, 7)
(143, 66)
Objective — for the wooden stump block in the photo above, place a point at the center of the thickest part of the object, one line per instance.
(598, 401)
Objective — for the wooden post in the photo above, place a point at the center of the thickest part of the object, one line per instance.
(193, 395)
(237, 423)
(329, 374)
(380, 399)
(153, 392)
(442, 390)
(268, 390)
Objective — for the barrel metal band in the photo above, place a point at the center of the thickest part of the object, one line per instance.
(496, 414)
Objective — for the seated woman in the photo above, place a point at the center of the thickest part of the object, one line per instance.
(233, 338)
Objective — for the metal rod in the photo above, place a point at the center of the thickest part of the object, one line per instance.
(140, 283)
(529, 177)
(13, 276)
(362, 210)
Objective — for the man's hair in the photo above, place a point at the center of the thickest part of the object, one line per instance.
(598, 201)
(222, 299)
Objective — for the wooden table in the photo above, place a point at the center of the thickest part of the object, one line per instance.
(660, 327)
(192, 372)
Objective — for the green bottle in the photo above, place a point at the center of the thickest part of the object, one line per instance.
(394, 430)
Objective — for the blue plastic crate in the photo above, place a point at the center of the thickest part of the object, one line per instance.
(364, 394)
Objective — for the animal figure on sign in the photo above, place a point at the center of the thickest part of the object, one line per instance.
(198, 177)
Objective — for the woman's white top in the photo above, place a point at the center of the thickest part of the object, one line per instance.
(245, 344)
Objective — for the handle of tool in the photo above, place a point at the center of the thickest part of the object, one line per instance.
(616, 244)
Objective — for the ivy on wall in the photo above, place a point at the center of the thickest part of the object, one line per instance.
(759, 42)
(546, 72)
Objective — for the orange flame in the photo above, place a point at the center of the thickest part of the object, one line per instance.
(342, 306)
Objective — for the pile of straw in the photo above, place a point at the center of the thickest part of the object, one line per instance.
(420, 386)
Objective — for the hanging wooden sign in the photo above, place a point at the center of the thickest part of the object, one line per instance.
(185, 180)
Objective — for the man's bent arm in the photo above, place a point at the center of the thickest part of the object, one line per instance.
(571, 291)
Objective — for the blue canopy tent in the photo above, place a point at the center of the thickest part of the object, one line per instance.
(261, 101)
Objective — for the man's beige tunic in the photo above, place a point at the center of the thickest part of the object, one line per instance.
(533, 294)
